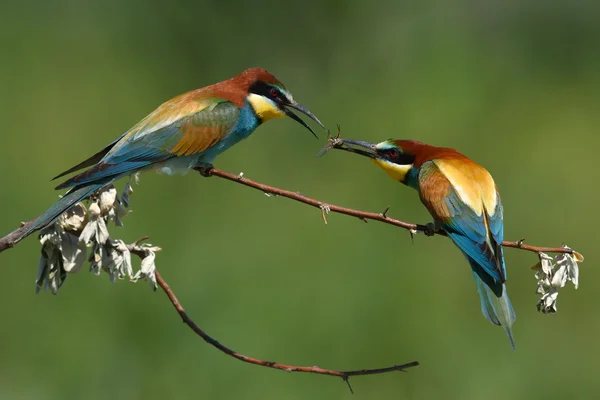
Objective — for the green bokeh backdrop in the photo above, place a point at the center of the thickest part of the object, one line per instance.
(514, 85)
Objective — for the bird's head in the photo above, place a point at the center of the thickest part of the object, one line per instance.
(395, 157)
(269, 98)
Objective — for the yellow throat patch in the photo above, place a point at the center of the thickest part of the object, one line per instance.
(395, 171)
(264, 108)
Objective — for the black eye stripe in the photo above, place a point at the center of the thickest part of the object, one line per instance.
(263, 89)
(405, 159)
(397, 157)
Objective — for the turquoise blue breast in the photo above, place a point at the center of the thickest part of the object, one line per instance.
(246, 124)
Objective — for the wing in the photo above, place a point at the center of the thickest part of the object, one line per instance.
(181, 127)
(475, 230)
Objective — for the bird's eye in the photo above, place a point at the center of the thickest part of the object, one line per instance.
(393, 153)
(274, 93)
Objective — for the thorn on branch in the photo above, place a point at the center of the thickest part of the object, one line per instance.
(520, 242)
(347, 380)
(325, 209)
(384, 213)
(240, 176)
(412, 233)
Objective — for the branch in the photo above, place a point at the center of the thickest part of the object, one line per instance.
(11, 239)
(345, 375)
(364, 215)
(8, 241)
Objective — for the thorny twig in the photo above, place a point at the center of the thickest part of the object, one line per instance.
(364, 215)
(345, 375)
(7, 241)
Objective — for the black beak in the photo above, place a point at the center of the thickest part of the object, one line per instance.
(305, 111)
(370, 146)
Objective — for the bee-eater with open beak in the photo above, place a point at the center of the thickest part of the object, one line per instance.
(186, 132)
(464, 202)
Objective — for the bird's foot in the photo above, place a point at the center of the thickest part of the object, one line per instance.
(204, 169)
(431, 228)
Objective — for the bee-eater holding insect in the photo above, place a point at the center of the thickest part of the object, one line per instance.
(464, 202)
(186, 132)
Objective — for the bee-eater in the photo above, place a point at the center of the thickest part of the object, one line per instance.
(186, 132)
(463, 200)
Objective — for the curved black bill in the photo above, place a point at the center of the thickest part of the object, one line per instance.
(305, 111)
(360, 143)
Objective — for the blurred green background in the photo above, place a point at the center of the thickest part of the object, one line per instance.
(514, 85)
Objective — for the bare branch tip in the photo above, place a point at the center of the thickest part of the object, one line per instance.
(346, 379)
(140, 240)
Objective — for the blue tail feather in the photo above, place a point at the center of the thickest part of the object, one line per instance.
(103, 172)
(496, 308)
(65, 203)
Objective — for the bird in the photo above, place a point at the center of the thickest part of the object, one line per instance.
(186, 132)
(464, 202)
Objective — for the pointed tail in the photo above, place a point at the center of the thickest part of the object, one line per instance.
(62, 205)
(496, 305)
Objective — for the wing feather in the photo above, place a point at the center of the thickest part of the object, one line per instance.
(478, 234)
(180, 127)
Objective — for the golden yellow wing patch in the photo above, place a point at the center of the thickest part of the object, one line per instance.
(211, 122)
(197, 138)
(473, 183)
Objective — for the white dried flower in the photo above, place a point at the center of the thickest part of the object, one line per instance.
(96, 259)
(559, 278)
(569, 267)
(111, 262)
(65, 243)
(553, 274)
(95, 230)
(547, 304)
(72, 251)
(123, 265)
(116, 260)
(51, 274)
(61, 252)
(573, 272)
(107, 198)
(73, 219)
(546, 262)
(94, 209)
(148, 267)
